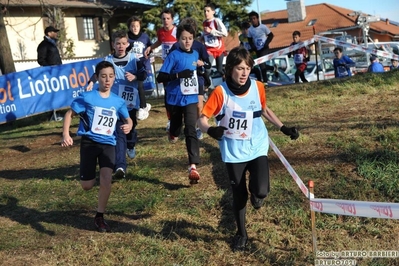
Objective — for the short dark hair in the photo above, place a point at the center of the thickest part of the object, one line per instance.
(102, 65)
(167, 11)
(211, 6)
(253, 13)
(119, 34)
(131, 19)
(236, 56)
(338, 49)
(185, 27)
(190, 21)
(296, 33)
(245, 25)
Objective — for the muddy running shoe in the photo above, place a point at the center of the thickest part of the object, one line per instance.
(119, 173)
(193, 175)
(101, 225)
(256, 202)
(172, 139)
(142, 114)
(131, 153)
(239, 243)
(200, 135)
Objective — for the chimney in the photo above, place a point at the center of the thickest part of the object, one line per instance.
(387, 21)
(296, 10)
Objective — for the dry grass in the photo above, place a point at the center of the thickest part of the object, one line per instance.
(157, 218)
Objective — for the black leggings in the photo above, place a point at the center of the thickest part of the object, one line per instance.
(259, 186)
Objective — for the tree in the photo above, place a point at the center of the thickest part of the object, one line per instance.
(232, 13)
(6, 60)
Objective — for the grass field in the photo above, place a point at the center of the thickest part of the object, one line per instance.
(348, 146)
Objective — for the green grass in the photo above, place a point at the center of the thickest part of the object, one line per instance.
(348, 147)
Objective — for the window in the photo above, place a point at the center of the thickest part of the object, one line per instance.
(274, 24)
(312, 22)
(88, 28)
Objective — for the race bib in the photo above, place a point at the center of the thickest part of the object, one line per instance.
(138, 49)
(166, 49)
(129, 94)
(104, 121)
(189, 86)
(211, 40)
(238, 124)
(298, 58)
(260, 42)
(342, 71)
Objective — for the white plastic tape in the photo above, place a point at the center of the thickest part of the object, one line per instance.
(291, 170)
(357, 47)
(327, 40)
(356, 208)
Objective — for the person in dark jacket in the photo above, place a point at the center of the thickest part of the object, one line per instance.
(48, 55)
(47, 51)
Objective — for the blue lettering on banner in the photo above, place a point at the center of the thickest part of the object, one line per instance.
(107, 112)
(43, 89)
(239, 114)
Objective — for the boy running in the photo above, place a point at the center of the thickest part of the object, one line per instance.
(98, 110)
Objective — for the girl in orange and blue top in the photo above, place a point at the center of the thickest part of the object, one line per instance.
(238, 104)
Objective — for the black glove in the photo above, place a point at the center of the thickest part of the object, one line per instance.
(216, 132)
(186, 73)
(290, 131)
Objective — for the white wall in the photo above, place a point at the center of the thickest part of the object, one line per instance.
(29, 32)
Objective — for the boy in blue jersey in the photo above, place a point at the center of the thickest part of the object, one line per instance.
(139, 41)
(203, 64)
(129, 75)
(98, 110)
(375, 65)
(394, 64)
(342, 64)
(179, 71)
(238, 105)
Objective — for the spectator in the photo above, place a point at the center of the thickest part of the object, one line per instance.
(49, 55)
(98, 141)
(245, 43)
(237, 103)
(259, 37)
(375, 66)
(342, 64)
(139, 41)
(394, 64)
(300, 58)
(178, 71)
(214, 31)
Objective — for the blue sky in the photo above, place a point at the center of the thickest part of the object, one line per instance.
(383, 8)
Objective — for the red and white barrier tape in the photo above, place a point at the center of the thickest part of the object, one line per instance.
(356, 208)
(343, 207)
(327, 40)
(357, 47)
(291, 170)
(283, 51)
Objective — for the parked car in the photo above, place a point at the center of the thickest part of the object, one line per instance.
(311, 71)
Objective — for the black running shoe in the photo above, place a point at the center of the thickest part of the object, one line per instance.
(256, 202)
(239, 243)
(101, 225)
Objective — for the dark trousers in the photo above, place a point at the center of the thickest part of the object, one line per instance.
(131, 137)
(259, 186)
(188, 115)
(263, 66)
(121, 146)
